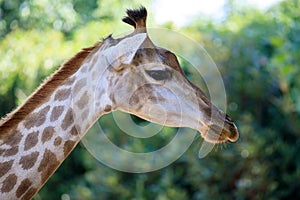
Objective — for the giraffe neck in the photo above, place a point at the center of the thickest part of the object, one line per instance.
(35, 147)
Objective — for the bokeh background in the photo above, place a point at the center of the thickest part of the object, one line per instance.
(257, 52)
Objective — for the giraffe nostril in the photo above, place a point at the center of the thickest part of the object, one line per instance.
(229, 120)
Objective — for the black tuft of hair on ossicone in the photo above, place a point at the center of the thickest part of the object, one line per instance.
(133, 16)
(129, 21)
(137, 14)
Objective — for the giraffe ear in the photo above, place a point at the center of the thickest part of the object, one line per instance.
(124, 51)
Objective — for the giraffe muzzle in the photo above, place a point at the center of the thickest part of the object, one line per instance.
(221, 132)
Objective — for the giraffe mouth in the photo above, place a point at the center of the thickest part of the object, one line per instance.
(217, 134)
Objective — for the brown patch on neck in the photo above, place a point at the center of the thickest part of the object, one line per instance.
(68, 120)
(29, 194)
(31, 140)
(46, 89)
(68, 147)
(23, 187)
(9, 183)
(48, 165)
(28, 161)
(47, 134)
(5, 167)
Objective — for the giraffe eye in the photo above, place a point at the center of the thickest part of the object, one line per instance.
(159, 75)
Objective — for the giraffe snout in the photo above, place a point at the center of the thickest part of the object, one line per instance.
(220, 133)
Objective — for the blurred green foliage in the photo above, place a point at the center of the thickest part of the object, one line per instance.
(258, 55)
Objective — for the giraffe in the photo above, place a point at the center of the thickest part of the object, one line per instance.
(130, 74)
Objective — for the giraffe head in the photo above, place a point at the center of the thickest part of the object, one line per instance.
(147, 81)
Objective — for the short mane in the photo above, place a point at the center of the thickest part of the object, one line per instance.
(50, 84)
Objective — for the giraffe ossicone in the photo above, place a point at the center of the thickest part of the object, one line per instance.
(130, 74)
